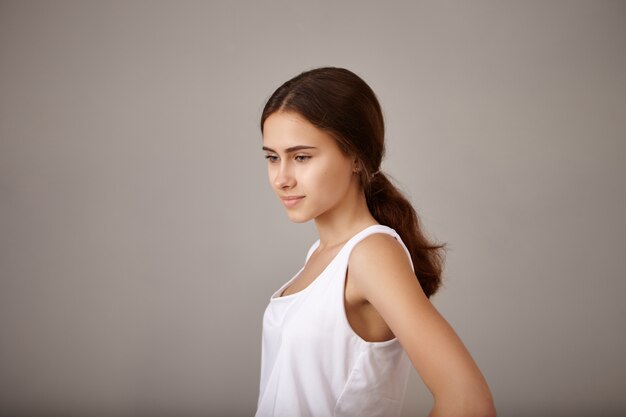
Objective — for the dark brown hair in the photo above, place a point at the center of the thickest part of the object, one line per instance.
(341, 103)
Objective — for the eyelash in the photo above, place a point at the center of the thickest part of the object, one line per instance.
(298, 158)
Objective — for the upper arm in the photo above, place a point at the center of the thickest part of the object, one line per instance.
(381, 273)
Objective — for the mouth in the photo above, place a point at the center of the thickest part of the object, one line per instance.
(291, 201)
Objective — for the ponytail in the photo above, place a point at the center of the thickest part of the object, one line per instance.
(391, 208)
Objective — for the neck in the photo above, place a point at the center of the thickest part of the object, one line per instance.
(337, 226)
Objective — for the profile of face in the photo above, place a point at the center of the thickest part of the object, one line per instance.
(307, 170)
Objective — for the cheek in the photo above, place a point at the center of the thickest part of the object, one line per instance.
(335, 178)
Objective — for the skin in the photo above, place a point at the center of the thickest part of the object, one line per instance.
(331, 196)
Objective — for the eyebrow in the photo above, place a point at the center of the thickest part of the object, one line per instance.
(291, 149)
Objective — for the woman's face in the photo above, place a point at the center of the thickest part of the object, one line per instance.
(306, 168)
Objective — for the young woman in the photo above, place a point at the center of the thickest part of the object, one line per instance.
(340, 336)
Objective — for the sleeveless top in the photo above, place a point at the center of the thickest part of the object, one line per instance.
(312, 361)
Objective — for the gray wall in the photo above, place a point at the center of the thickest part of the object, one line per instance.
(139, 240)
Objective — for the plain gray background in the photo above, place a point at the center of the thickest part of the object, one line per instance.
(140, 241)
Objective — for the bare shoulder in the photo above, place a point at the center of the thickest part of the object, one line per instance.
(380, 260)
(379, 250)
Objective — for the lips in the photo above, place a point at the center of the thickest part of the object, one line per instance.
(292, 200)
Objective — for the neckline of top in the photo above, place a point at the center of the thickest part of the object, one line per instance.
(277, 296)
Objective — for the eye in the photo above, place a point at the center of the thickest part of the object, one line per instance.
(302, 158)
(271, 158)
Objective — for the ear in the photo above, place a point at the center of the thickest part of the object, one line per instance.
(356, 164)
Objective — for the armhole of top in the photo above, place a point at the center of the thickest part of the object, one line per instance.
(385, 230)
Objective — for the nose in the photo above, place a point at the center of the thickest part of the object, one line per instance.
(283, 177)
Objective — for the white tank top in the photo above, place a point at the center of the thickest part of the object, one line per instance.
(312, 361)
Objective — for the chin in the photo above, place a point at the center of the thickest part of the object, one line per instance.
(295, 218)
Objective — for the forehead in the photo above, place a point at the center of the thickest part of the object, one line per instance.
(287, 129)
